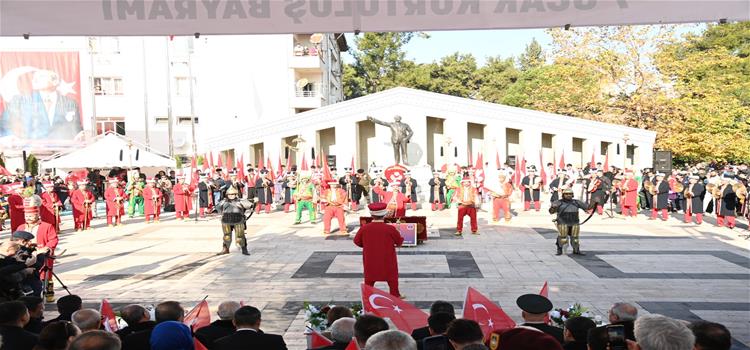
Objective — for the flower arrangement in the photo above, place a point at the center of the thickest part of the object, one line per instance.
(559, 316)
(315, 315)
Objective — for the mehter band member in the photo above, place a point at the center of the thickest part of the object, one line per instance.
(500, 194)
(153, 198)
(660, 193)
(379, 241)
(334, 201)
(532, 186)
(694, 193)
(232, 211)
(46, 237)
(82, 200)
(114, 197)
(437, 191)
(51, 205)
(568, 223)
(409, 189)
(466, 198)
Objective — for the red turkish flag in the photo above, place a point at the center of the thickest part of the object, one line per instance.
(4, 171)
(562, 160)
(108, 316)
(479, 170)
(327, 176)
(218, 161)
(351, 171)
(241, 168)
(271, 175)
(543, 173)
(289, 163)
(204, 166)
(545, 293)
(489, 316)
(318, 340)
(280, 169)
(606, 162)
(497, 159)
(405, 316)
(197, 318)
(352, 345)
(592, 165)
(304, 164)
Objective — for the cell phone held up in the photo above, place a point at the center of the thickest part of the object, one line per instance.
(616, 337)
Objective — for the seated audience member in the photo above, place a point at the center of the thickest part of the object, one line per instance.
(576, 331)
(247, 320)
(598, 338)
(463, 332)
(137, 318)
(171, 335)
(657, 332)
(220, 328)
(438, 306)
(57, 336)
(166, 311)
(476, 347)
(13, 317)
(711, 336)
(35, 305)
(66, 306)
(437, 324)
(624, 314)
(534, 309)
(366, 326)
(342, 332)
(96, 340)
(523, 338)
(391, 340)
(87, 320)
(334, 314)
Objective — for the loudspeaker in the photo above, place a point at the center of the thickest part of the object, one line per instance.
(663, 162)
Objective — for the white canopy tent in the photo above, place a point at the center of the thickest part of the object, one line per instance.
(181, 17)
(108, 151)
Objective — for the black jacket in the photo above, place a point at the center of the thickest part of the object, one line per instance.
(551, 330)
(135, 328)
(35, 325)
(215, 331)
(250, 340)
(138, 340)
(15, 338)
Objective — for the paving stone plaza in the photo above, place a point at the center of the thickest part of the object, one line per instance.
(680, 270)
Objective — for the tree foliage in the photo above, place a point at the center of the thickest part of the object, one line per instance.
(693, 90)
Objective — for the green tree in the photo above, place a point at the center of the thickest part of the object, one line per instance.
(495, 78)
(378, 61)
(455, 75)
(532, 57)
(32, 164)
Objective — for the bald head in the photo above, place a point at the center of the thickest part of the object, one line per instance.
(87, 319)
(134, 314)
(622, 312)
(96, 340)
(227, 309)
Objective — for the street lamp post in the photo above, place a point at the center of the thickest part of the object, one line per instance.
(625, 139)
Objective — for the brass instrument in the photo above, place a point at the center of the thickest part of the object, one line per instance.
(718, 192)
(594, 185)
(741, 191)
(436, 190)
(616, 183)
(650, 187)
(535, 184)
(678, 187)
(710, 187)
(688, 192)
(408, 188)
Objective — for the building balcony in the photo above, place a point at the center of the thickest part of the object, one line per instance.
(309, 96)
(305, 62)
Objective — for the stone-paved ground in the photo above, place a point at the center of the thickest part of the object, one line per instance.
(680, 269)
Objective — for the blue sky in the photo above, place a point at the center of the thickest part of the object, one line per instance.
(480, 43)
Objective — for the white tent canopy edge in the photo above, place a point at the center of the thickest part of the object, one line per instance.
(187, 17)
(109, 151)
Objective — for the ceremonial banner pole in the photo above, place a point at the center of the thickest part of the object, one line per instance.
(145, 93)
(192, 120)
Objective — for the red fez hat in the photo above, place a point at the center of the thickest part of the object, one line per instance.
(48, 184)
(377, 209)
(31, 205)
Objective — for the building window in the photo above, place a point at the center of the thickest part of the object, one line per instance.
(307, 89)
(185, 120)
(108, 86)
(115, 125)
(182, 86)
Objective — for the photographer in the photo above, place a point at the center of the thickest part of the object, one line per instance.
(12, 271)
(34, 258)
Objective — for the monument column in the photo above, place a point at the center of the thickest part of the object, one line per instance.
(346, 144)
(417, 147)
(456, 129)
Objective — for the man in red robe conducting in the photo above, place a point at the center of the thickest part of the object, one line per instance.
(15, 206)
(183, 202)
(82, 200)
(46, 237)
(379, 241)
(394, 200)
(115, 197)
(629, 194)
(51, 205)
(152, 199)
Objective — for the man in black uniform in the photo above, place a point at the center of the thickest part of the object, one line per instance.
(409, 189)
(568, 223)
(350, 183)
(232, 211)
(534, 309)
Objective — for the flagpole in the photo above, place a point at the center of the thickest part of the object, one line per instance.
(192, 116)
(93, 88)
(169, 100)
(145, 93)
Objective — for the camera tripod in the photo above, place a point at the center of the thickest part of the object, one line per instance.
(611, 214)
(46, 282)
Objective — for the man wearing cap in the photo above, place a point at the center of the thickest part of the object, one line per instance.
(437, 191)
(726, 205)
(152, 201)
(183, 203)
(629, 194)
(532, 185)
(501, 198)
(288, 184)
(46, 237)
(205, 195)
(452, 183)
(135, 194)
(114, 197)
(15, 205)
(568, 222)
(334, 201)
(409, 189)
(597, 190)
(51, 205)
(694, 193)
(232, 211)
(378, 183)
(466, 198)
(534, 310)
(82, 200)
(264, 192)
(236, 183)
(303, 195)
(378, 241)
(394, 200)
(660, 198)
(352, 187)
(364, 183)
(557, 185)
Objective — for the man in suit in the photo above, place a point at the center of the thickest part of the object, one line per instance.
(13, 317)
(437, 307)
(44, 114)
(534, 309)
(220, 328)
(248, 335)
(137, 318)
(166, 311)
(66, 306)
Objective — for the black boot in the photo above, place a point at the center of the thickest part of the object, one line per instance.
(244, 251)
(559, 245)
(559, 250)
(577, 250)
(224, 250)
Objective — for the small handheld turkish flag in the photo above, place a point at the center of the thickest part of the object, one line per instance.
(197, 318)
(352, 345)
(545, 293)
(406, 317)
(318, 340)
(108, 315)
(489, 315)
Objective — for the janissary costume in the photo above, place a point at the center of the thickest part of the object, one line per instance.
(378, 241)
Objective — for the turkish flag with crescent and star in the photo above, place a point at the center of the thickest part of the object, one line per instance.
(406, 317)
(489, 315)
(545, 293)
